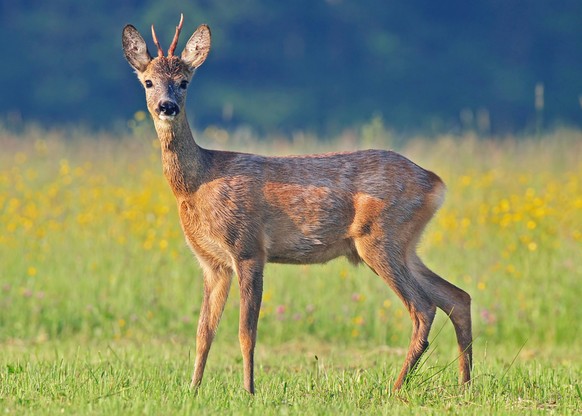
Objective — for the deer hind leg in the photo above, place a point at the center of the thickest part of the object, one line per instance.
(216, 287)
(391, 266)
(250, 277)
(456, 303)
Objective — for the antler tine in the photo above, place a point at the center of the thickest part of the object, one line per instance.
(172, 47)
(160, 50)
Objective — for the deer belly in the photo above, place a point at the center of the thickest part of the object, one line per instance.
(293, 249)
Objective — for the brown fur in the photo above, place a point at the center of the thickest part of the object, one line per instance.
(239, 211)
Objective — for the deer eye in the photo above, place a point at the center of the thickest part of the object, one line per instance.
(148, 83)
(184, 84)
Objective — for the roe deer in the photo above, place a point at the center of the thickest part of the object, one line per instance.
(239, 211)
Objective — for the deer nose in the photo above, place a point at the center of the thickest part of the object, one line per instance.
(168, 108)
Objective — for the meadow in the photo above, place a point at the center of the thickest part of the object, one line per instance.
(99, 295)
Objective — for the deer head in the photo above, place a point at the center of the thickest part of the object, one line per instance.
(166, 78)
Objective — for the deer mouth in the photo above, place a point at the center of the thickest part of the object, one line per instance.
(167, 117)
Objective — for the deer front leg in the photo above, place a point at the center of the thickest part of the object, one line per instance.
(216, 287)
(250, 276)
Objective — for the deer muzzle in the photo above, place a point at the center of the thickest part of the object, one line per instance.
(167, 110)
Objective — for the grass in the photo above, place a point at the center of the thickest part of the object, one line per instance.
(152, 379)
(99, 294)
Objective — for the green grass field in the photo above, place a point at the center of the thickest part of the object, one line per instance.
(99, 294)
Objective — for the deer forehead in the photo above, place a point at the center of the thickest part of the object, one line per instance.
(167, 68)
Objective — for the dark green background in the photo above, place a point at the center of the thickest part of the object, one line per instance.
(304, 64)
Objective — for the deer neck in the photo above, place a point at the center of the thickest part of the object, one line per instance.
(183, 160)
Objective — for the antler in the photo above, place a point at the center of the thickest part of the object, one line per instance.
(174, 43)
(160, 50)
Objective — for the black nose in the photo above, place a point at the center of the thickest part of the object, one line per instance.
(168, 108)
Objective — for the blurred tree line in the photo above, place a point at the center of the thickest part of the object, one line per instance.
(319, 65)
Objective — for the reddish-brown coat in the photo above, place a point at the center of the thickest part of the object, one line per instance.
(239, 211)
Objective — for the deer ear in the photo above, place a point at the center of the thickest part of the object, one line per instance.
(135, 49)
(197, 48)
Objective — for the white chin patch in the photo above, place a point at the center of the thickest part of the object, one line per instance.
(166, 117)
